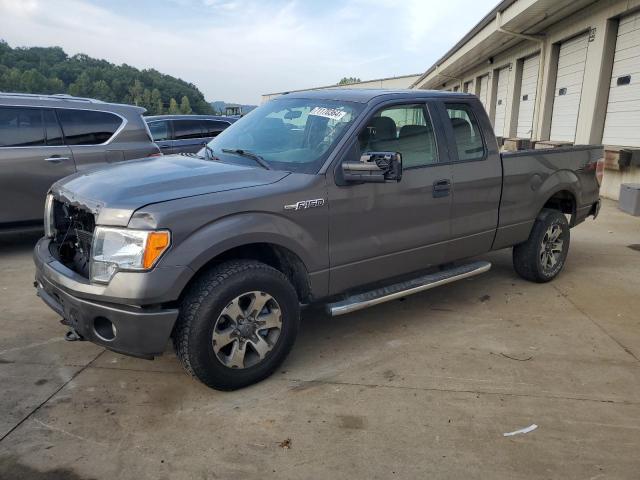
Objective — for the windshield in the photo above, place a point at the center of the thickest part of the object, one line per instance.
(291, 134)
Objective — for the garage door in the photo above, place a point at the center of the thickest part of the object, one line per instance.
(530, 69)
(501, 101)
(566, 102)
(622, 124)
(483, 91)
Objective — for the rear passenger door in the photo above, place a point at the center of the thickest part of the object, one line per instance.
(161, 134)
(187, 136)
(382, 230)
(476, 180)
(32, 157)
(89, 133)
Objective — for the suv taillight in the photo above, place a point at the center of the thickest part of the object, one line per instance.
(600, 171)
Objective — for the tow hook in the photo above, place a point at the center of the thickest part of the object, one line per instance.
(72, 336)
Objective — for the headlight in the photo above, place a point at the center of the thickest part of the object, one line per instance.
(49, 229)
(116, 249)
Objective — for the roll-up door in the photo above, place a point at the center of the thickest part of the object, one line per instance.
(528, 88)
(622, 124)
(502, 92)
(483, 91)
(566, 101)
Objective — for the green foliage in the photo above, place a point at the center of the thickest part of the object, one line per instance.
(185, 107)
(173, 107)
(348, 80)
(51, 70)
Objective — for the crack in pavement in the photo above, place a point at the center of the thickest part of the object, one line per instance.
(452, 390)
(75, 375)
(577, 307)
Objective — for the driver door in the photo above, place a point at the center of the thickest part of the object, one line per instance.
(382, 230)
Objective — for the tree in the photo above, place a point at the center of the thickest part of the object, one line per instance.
(135, 91)
(156, 102)
(101, 90)
(348, 80)
(51, 70)
(185, 107)
(173, 107)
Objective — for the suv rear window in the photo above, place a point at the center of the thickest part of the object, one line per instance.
(159, 130)
(186, 129)
(21, 127)
(87, 127)
(211, 128)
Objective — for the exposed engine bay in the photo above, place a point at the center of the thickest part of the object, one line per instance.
(71, 244)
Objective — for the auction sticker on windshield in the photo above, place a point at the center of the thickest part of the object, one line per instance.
(332, 113)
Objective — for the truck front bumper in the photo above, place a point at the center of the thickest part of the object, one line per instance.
(137, 330)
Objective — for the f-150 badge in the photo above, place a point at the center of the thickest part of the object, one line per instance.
(304, 204)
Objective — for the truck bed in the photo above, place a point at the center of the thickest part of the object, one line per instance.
(531, 177)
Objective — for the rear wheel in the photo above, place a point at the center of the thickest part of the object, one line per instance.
(237, 324)
(541, 258)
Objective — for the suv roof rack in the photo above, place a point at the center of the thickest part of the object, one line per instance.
(55, 96)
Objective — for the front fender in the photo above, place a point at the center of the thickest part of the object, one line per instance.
(233, 231)
(204, 244)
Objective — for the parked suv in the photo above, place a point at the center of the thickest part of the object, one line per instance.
(44, 138)
(185, 133)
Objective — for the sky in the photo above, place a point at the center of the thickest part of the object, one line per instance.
(237, 50)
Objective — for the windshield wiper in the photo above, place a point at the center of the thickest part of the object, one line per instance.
(246, 153)
(208, 153)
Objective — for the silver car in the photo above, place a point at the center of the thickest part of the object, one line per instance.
(46, 137)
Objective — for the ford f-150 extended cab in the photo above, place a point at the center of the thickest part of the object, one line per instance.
(347, 198)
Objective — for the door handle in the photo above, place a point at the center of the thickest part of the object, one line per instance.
(56, 159)
(165, 146)
(441, 188)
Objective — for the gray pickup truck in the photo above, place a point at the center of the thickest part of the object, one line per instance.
(346, 198)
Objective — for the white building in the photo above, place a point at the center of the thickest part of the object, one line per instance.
(403, 81)
(563, 71)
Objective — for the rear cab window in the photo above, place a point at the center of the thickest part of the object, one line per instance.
(88, 127)
(466, 132)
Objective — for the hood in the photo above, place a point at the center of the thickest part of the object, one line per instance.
(117, 190)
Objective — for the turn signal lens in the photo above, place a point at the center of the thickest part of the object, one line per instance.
(157, 243)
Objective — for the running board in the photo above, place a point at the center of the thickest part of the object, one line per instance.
(409, 287)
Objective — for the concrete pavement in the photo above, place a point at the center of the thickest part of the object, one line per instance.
(419, 388)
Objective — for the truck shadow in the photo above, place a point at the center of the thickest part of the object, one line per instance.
(11, 243)
(14, 469)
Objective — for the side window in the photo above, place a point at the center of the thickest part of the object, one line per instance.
(466, 132)
(159, 130)
(187, 129)
(87, 127)
(21, 127)
(404, 128)
(52, 128)
(211, 128)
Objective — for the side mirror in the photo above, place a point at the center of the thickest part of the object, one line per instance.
(374, 167)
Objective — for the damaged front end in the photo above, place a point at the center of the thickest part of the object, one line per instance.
(70, 226)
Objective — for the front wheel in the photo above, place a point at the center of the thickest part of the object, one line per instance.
(541, 258)
(237, 324)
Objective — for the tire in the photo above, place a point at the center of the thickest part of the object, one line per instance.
(540, 259)
(218, 336)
